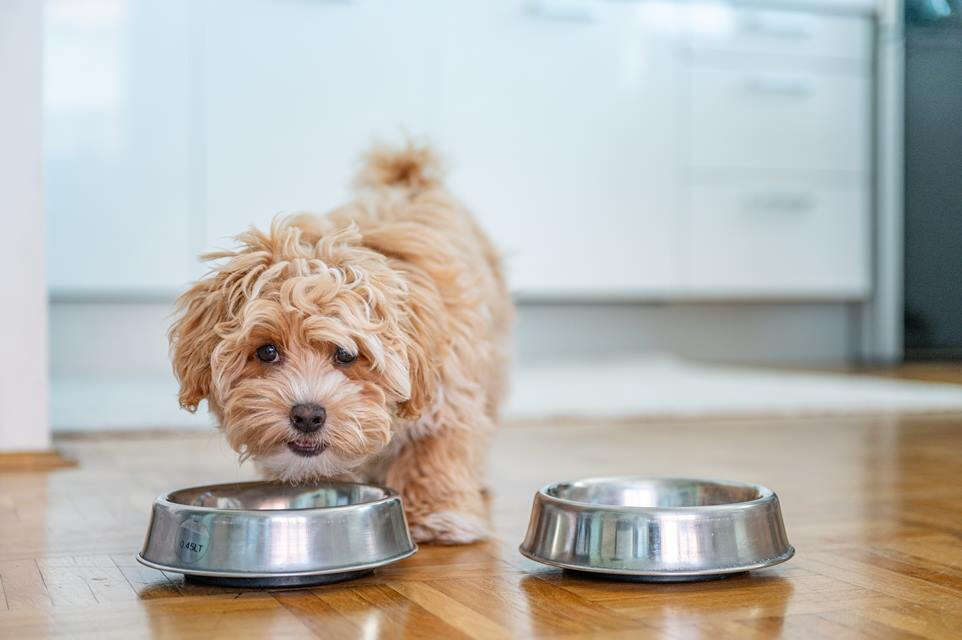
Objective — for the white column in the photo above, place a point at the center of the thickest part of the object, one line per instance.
(23, 284)
(881, 322)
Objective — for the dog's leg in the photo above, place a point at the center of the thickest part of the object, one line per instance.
(438, 477)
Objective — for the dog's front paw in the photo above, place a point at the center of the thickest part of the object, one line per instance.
(449, 527)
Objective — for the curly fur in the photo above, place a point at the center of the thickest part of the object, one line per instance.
(404, 278)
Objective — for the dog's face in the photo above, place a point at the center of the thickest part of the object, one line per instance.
(306, 348)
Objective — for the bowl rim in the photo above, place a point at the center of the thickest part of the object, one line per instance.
(389, 496)
(761, 563)
(214, 573)
(765, 495)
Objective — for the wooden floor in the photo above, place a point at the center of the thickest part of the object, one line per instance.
(872, 504)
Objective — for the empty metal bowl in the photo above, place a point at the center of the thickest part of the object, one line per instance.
(269, 534)
(657, 528)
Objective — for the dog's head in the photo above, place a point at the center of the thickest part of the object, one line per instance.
(307, 345)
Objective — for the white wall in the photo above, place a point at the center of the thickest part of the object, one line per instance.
(23, 288)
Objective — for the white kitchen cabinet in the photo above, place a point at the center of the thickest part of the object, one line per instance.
(117, 146)
(778, 237)
(758, 117)
(608, 147)
(562, 117)
(777, 165)
(576, 131)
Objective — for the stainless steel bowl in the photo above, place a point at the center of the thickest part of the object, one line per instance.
(657, 528)
(258, 534)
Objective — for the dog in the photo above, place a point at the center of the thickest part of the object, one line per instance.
(370, 344)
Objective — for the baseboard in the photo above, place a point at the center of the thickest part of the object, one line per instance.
(110, 369)
(931, 354)
(33, 461)
(121, 404)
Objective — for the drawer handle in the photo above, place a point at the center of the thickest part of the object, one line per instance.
(778, 202)
(779, 87)
(768, 28)
(560, 10)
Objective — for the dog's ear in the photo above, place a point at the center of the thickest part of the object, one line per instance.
(424, 346)
(423, 363)
(421, 343)
(193, 337)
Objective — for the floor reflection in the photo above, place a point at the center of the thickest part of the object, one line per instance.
(680, 609)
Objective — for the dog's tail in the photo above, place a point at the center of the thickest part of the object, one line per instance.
(412, 167)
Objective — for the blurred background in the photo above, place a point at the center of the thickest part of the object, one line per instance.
(672, 182)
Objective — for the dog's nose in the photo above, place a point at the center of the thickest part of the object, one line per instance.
(308, 417)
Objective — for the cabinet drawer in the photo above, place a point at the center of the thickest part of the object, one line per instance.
(775, 32)
(778, 120)
(779, 238)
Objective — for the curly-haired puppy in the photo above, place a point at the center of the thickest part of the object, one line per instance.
(367, 344)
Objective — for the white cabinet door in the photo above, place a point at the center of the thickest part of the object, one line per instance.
(116, 145)
(806, 36)
(294, 92)
(561, 116)
(788, 119)
(783, 238)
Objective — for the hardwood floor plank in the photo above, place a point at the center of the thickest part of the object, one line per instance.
(936, 573)
(465, 619)
(321, 618)
(146, 582)
(811, 627)
(936, 552)
(480, 559)
(104, 579)
(382, 612)
(530, 607)
(23, 585)
(855, 567)
(847, 624)
(187, 618)
(64, 584)
(924, 621)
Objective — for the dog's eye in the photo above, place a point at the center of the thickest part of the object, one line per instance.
(343, 356)
(267, 353)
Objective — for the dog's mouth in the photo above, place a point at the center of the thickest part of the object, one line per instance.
(306, 447)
